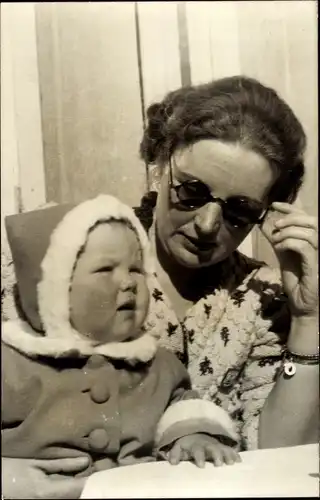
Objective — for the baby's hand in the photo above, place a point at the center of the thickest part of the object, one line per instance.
(202, 447)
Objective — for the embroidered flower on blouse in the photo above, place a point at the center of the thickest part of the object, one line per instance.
(238, 414)
(171, 329)
(207, 309)
(206, 367)
(157, 294)
(238, 297)
(225, 335)
(190, 335)
(182, 357)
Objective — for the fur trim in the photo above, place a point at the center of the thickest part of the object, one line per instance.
(195, 409)
(53, 290)
(19, 335)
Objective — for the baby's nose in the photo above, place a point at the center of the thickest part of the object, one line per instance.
(126, 281)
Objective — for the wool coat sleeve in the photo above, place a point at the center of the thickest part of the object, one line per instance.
(188, 414)
(20, 389)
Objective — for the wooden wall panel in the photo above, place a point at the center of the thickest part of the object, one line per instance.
(302, 94)
(91, 109)
(159, 40)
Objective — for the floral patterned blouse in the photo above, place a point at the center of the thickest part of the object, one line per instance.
(231, 339)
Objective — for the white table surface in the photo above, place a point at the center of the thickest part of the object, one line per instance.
(281, 472)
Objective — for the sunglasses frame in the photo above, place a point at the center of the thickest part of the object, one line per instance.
(211, 199)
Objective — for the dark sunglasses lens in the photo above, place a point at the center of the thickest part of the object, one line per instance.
(242, 212)
(193, 194)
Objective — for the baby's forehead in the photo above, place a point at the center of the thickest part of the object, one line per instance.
(113, 236)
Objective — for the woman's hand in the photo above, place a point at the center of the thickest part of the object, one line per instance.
(42, 479)
(201, 447)
(294, 238)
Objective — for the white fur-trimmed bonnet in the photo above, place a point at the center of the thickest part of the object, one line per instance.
(66, 240)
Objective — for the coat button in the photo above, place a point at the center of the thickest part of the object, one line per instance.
(96, 361)
(98, 440)
(100, 392)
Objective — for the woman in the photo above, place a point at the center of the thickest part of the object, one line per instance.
(230, 154)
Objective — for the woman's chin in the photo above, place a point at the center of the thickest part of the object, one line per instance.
(196, 260)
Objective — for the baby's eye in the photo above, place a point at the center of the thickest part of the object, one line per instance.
(104, 269)
(136, 269)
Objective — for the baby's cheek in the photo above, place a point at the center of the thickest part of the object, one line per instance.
(92, 307)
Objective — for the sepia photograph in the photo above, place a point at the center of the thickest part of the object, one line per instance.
(159, 249)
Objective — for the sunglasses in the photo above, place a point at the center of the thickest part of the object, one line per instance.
(239, 212)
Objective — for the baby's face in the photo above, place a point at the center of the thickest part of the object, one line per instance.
(109, 297)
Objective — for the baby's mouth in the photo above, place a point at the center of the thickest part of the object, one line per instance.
(128, 305)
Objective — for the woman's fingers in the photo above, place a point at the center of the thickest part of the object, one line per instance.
(62, 465)
(285, 208)
(296, 245)
(297, 233)
(299, 220)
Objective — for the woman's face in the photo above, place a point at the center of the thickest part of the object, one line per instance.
(204, 236)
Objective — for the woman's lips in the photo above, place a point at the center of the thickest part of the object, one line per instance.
(200, 245)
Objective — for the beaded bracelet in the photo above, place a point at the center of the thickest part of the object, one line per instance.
(290, 358)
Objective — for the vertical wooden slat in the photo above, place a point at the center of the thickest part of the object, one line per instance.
(159, 49)
(9, 145)
(26, 101)
(224, 39)
(93, 100)
(261, 42)
(49, 78)
(199, 41)
(184, 54)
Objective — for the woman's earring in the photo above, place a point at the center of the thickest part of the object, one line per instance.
(154, 178)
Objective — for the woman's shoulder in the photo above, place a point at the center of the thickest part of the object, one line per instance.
(253, 269)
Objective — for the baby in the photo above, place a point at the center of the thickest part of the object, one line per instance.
(81, 375)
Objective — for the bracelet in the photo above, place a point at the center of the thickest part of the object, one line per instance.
(290, 358)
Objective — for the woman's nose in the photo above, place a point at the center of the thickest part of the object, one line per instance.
(208, 219)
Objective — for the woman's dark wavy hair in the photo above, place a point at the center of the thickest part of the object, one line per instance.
(234, 109)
